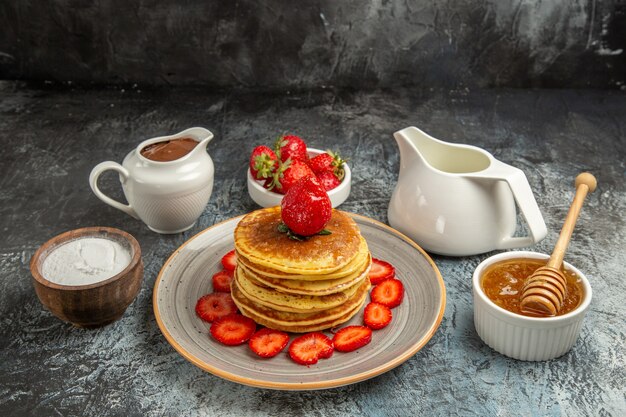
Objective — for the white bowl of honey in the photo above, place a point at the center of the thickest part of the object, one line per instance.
(498, 318)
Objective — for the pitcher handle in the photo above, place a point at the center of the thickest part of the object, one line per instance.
(525, 199)
(93, 182)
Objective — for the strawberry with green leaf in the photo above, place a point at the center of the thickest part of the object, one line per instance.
(263, 162)
(328, 161)
(290, 147)
(328, 167)
(287, 174)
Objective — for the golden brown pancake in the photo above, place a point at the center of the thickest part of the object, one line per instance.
(296, 303)
(357, 263)
(306, 287)
(257, 239)
(300, 322)
(299, 286)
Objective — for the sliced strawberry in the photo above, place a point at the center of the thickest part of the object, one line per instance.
(212, 306)
(308, 348)
(233, 329)
(389, 292)
(306, 208)
(377, 316)
(268, 343)
(381, 271)
(352, 338)
(222, 280)
(329, 180)
(229, 261)
(263, 162)
(291, 146)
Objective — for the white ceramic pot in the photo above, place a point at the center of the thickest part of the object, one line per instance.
(266, 198)
(167, 196)
(521, 337)
(458, 200)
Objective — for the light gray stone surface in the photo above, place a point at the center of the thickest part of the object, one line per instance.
(51, 138)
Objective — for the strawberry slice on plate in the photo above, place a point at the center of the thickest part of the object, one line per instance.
(221, 281)
(377, 316)
(233, 330)
(309, 348)
(389, 293)
(229, 261)
(352, 338)
(381, 271)
(212, 306)
(268, 343)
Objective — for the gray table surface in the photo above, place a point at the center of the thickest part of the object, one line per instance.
(51, 137)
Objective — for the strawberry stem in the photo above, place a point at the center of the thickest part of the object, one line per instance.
(283, 228)
(337, 164)
(279, 173)
(264, 165)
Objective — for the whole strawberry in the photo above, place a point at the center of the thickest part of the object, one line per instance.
(263, 162)
(328, 179)
(328, 161)
(306, 208)
(287, 174)
(322, 162)
(291, 146)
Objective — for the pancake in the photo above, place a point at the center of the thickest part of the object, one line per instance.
(304, 287)
(299, 286)
(258, 240)
(301, 328)
(301, 322)
(296, 303)
(362, 257)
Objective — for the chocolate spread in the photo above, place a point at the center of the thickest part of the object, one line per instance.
(169, 150)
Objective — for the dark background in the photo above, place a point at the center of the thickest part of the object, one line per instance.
(538, 83)
(320, 43)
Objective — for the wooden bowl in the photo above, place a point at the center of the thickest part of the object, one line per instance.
(96, 304)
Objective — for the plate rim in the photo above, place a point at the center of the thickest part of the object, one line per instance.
(288, 386)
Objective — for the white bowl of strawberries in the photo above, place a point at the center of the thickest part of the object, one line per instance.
(272, 172)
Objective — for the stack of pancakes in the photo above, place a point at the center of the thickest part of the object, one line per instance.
(299, 286)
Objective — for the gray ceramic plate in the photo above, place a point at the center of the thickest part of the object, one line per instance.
(186, 276)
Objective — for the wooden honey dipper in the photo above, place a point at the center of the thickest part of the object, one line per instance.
(544, 291)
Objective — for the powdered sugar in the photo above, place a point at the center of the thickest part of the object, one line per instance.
(85, 261)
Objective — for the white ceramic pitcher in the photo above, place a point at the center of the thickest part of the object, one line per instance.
(167, 196)
(458, 200)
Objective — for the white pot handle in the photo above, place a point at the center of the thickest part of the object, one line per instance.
(525, 200)
(93, 182)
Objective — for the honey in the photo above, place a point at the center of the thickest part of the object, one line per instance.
(502, 282)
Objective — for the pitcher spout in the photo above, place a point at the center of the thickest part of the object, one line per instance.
(409, 152)
(202, 135)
